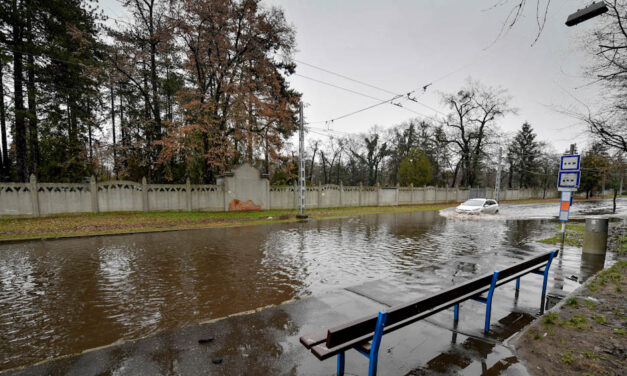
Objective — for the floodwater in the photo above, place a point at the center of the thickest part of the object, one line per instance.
(61, 297)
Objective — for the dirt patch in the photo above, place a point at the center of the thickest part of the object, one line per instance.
(245, 206)
(583, 336)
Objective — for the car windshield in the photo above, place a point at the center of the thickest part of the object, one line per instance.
(473, 203)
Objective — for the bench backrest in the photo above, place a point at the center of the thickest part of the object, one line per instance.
(439, 301)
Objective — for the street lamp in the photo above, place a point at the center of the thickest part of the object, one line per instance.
(586, 13)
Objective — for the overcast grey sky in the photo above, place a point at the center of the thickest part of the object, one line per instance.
(403, 45)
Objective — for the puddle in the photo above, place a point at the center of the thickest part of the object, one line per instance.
(64, 296)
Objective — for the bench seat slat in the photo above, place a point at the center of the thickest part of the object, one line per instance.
(313, 339)
(358, 331)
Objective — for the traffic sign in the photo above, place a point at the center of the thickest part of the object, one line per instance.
(568, 180)
(570, 162)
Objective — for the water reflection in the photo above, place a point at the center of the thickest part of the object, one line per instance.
(65, 296)
(477, 356)
(590, 264)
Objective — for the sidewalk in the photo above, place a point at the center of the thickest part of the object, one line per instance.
(266, 342)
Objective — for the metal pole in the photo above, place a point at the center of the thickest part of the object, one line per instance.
(497, 184)
(301, 164)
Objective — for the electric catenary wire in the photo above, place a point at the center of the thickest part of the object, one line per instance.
(413, 99)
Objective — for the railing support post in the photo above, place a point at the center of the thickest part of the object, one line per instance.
(376, 342)
(340, 363)
(456, 313)
(546, 275)
(488, 306)
(517, 284)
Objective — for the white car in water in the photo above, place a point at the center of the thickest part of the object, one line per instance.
(478, 206)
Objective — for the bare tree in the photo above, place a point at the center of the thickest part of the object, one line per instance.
(475, 109)
(517, 9)
(373, 155)
(314, 145)
(608, 45)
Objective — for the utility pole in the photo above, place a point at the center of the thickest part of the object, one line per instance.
(497, 184)
(301, 165)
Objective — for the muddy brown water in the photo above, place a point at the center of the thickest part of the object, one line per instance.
(61, 297)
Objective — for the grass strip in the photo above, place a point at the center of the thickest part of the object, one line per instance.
(573, 236)
(85, 224)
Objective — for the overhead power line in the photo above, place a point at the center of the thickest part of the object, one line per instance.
(345, 77)
(398, 96)
(413, 99)
(357, 111)
(337, 87)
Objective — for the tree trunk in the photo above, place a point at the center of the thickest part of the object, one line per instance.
(91, 149)
(123, 131)
(311, 167)
(324, 167)
(33, 160)
(614, 201)
(148, 126)
(455, 174)
(3, 129)
(18, 95)
(115, 155)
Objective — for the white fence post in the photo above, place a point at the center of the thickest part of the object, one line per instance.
(34, 195)
(93, 190)
(188, 194)
(319, 195)
(341, 194)
(144, 195)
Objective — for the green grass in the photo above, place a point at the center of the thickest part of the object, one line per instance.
(600, 319)
(590, 304)
(70, 225)
(621, 245)
(592, 355)
(550, 318)
(611, 275)
(535, 336)
(579, 321)
(567, 357)
(573, 236)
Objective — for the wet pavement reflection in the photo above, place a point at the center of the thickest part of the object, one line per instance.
(64, 296)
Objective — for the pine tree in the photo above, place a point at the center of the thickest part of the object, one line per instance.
(415, 169)
(524, 153)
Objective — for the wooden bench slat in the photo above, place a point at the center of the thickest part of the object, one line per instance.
(313, 339)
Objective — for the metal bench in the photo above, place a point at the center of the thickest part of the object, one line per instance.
(364, 334)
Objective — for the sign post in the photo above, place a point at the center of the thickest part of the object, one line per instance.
(567, 182)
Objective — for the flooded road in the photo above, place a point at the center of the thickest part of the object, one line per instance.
(64, 296)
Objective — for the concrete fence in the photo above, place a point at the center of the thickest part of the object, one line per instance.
(243, 184)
